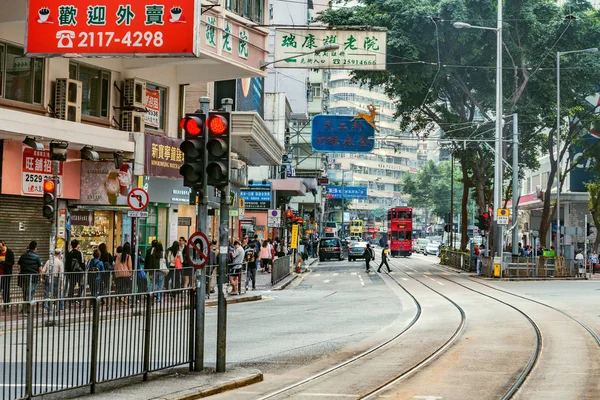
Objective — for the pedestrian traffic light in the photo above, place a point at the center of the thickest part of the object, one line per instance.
(193, 148)
(218, 147)
(483, 221)
(49, 198)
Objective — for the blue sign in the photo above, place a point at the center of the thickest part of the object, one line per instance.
(349, 192)
(342, 134)
(257, 197)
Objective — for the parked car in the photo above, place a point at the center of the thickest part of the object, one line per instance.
(433, 248)
(420, 246)
(356, 250)
(330, 248)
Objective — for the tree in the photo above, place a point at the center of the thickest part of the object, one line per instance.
(456, 92)
(593, 189)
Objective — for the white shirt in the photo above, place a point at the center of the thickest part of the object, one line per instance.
(59, 267)
(238, 255)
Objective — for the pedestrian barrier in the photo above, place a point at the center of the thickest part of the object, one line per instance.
(282, 267)
(58, 344)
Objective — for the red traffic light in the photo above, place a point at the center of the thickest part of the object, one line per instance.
(289, 213)
(300, 220)
(486, 215)
(217, 124)
(49, 186)
(192, 125)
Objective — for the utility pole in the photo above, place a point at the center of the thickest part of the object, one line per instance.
(201, 220)
(342, 236)
(498, 168)
(452, 202)
(515, 188)
(55, 167)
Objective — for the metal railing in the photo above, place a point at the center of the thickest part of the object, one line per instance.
(55, 345)
(282, 267)
(458, 259)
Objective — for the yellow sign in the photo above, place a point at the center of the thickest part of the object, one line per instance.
(242, 203)
(502, 212)
(497, 270)
(294, 243)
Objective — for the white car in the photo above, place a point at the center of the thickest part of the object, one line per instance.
(432, 248)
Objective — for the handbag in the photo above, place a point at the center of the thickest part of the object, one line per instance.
(163, 266)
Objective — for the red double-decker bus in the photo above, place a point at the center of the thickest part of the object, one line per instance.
(400, 231)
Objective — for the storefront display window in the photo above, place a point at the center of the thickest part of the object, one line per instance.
(98, 227)
(148, 230)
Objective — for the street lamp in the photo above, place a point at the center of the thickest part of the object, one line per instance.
(318, 50)
(558, 55)
(498, 137)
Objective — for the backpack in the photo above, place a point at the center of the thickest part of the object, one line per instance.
(75, 265)
(93, 266)
(108, 265)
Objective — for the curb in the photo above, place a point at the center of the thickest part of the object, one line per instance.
(198, 393)
(235, 300)
(286, 284)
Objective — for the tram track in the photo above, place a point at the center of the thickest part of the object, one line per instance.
(380, 346)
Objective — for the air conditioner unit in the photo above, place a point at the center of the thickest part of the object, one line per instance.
(134, 93)
(132, 121)
(67, 99)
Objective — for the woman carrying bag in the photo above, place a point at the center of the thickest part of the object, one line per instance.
(175, 264)
(123, 270)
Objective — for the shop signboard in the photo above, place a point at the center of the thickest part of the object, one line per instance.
(163, 157)
(112, 28)
(257, 198)
(103, 184)
(166, 191)
(358, 49)
(82, 218)
(152, 115)
(347, 192)
(37, 167)
(343, 133)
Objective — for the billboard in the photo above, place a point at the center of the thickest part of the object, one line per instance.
(358, 49)
(112, 28)
(256, 198)
(248, 94)
(342, 134)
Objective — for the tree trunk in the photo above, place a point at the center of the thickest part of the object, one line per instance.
(596, 219)
(464, 211)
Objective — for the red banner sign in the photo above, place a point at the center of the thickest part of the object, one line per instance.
(112, 27)
(37, 167)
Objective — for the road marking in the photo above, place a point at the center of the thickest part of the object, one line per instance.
(327, 395)
(427, 273)
(361, 280)
(428, 397)
(404, 279)
(335, 274)
(316, 274)
(326, 281)
(353, 273)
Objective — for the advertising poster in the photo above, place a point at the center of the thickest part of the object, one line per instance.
(103, 184)
(152, 117)
(250, 95)
(37, 167)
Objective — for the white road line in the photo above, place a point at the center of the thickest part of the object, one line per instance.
(361, 280)
(428, 397)
(404, 279)
(316, 274)
(427, 273)
(328, 395)
(335, 274)
(326, 281)
(353, 273)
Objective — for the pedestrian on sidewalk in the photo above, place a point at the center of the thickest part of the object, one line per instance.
(7, 260)
(31, 268)
(235, 267)
(187, 270)
(151, 263)
(158, 258)
(58, 270)
(175, 266)
(213, 265)
(265, 257)
(123, 271)
(108, 263)
(384, 258)
(594, 261)
(369, 255)
(480, 255)
(74, 270)
(580, 261)
(251, 257)
(94, 269)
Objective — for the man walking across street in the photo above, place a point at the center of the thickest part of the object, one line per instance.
(31, 267)
(7, 260)
(384, 258)
(369, 255)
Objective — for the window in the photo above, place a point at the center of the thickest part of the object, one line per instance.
(250, 9)
(21, 78)
(95, 93)
(157, 108)
(316, 89)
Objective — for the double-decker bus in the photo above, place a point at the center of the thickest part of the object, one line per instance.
(331, 229)
(356, 227)
(400, 231)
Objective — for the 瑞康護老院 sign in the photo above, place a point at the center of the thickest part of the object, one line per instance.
(342, 133)
(112, 28)
(357, 49)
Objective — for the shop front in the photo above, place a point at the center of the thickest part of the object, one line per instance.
(22, 173)
(100, 214)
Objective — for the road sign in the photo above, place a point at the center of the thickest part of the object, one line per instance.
(184, 221)
(342, 134)
(294, 242)
(502, 220)
(138, 199)
(502, 212)
(274, 219)
(137, 214)
(198, 250)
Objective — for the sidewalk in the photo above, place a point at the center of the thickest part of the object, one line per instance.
(184, 385)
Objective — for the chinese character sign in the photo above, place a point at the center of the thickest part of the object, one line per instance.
(152, 117)
(257, 197)
(342, 134)
(37, 167)
(163, 157)
(357, 49)
(349, 192)
(112, 27)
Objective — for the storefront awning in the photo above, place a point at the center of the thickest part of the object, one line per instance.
(288, 187)
(252, 140)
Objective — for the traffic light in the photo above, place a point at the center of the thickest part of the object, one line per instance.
(49, 198)
(193, 148)
(588, 229)
(483, 221)
(218, 147)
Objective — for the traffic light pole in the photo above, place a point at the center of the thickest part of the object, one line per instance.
(50, 320)
(222, 304)
(201, 220)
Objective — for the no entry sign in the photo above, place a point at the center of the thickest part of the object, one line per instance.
(198, 250)
(138, 199)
